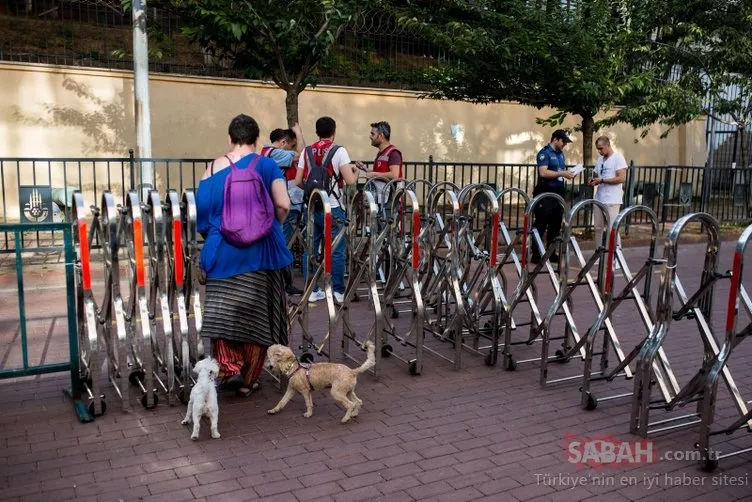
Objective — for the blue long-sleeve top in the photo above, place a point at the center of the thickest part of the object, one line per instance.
(219, 258)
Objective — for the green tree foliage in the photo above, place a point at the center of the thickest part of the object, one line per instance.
(581, 57)
(710, 44)
(282, 41)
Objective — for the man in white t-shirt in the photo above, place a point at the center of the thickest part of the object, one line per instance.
(610, 173)
(342, 172)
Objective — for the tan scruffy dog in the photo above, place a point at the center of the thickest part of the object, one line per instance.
(305, 378)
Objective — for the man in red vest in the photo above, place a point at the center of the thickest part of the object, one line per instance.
(285, 148)
(388, 163)
(341, 172)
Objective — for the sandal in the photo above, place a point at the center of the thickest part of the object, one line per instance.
(245, 391)
(233, 382)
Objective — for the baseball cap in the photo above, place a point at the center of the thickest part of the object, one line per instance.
(561, 134)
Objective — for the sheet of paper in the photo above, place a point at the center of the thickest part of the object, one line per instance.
(577, 169)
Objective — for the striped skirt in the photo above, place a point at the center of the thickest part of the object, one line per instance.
(247, 308)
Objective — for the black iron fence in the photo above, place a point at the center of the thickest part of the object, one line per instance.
(671, 191)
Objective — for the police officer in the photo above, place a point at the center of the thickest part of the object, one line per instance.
(552, 172)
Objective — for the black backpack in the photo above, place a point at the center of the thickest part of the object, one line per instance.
(319, 177)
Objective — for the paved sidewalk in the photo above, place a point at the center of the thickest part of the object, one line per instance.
(470, 434)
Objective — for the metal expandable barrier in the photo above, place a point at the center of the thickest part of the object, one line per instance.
(322, 269)
(572, 251)
(710, 374)
(526, 286)
(405, 260)
(697, 307)
(612, 300)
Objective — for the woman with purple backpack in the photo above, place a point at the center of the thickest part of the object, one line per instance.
(241, 202)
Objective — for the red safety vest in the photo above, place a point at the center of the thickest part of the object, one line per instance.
(381, 164)
(267, 151)
(290, 172)
(319, 152)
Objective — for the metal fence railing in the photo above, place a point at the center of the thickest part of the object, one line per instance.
(671, 191)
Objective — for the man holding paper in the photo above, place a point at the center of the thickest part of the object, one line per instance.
(609, 175)
(552, 172)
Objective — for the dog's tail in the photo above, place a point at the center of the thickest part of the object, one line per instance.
(370, 362)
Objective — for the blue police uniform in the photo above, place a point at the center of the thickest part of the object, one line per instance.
(548, 214)
(554, 161)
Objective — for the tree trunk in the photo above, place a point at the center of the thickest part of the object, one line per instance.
(588, 128)
(291, 104)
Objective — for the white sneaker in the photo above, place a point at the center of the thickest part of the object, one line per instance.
(339, 298)
(316, 296)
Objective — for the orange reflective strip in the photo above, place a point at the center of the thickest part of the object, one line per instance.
(610, 259)
(328, 243)
(138, 245)
(731, 309)
(494, 239)
(177, 239)
(525, 227)
(83, 238)
(416, 248)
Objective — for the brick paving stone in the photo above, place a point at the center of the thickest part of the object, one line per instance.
(172, 485)
(365, 493)
(211, 489)
(154, 477)
(430, 490)
(277, 487)
(236, 496)
(355, 482)
(477, 432)
(318, 491)
(262, 478)
(468, 493)
(172, 496)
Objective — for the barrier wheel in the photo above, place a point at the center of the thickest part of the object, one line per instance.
(560, 357)
(306, 358)
(356, 298)
(709, 463)
(395, 313)
(91, 409)
(136, 376)
(412, 367)
(489, 359)
(143, 402)
(509, 363)
(592, 403)
(386, 350)
(183, 396)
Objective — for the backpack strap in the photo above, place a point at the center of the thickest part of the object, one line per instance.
(326, 162)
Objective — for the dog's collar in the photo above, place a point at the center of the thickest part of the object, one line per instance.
(298, 367)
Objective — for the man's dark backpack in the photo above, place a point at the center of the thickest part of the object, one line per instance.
(319, 176)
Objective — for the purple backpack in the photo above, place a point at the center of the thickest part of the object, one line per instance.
(248, 212)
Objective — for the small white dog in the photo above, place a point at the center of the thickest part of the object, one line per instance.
(203, 400)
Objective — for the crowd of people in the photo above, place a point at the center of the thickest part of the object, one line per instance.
(247, 285)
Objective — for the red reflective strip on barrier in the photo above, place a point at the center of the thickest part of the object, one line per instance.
(328, 243)
(610, 259)
(177, 239)
(525, 226)
(731, 310)
(494, 239)
(416, 248)
(83, 239)
(138, 245)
